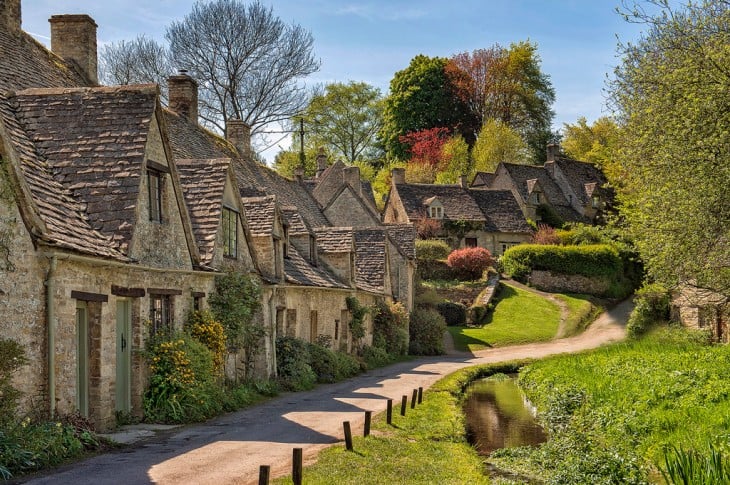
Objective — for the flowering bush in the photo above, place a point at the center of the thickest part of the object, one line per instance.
(545, 235)
(207, 330)
(470, 263)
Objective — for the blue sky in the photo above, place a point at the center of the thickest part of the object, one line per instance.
(370, 40)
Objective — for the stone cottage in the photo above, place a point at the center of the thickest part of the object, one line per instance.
(702, 309)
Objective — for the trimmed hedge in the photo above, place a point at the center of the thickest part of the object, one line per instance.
(600, 260)
(453, 313)
(432, 250)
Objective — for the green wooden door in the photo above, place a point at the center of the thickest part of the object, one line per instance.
(82, 358)
(124, 360)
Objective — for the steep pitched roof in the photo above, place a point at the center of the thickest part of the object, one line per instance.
(298, 271)
(334, 239)
(501, 210)
(404, 236)
(94, 142)
(191, 141)
(28, 64)
(297, 225)
(260, 214)
(64, 222)
(483, 179)
(370, 264)
(204, 182)
(580, 175)
(458, 204)
(329, 183)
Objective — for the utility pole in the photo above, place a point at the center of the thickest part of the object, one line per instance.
(301, 142)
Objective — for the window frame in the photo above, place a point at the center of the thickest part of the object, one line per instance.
(155, 194)
(160, 318)
(229, 217)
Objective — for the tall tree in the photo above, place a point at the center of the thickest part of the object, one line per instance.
(507, 84)
(422, 96)
(497, 142)
(248, 61)
(456, 161)
(141, 60)
(672, 94)
(591, 143)
(346, 119)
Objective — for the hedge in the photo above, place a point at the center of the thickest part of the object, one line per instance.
(453, 313)
(590, 260)
(432, 250)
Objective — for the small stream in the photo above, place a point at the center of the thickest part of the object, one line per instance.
(498, 416)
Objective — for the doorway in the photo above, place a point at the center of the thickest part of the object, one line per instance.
(124, 359)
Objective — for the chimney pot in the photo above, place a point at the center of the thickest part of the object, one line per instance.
(183, 94)
(239, 134)
(321, 162)
(398, 176)
(10, 17)
(299, 173)
(73, 37)
(552, 151)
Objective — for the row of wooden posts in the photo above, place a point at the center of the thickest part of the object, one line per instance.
(297, 455)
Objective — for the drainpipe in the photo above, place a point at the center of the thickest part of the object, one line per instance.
(51, 327)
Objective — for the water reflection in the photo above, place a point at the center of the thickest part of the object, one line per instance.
(497, 416)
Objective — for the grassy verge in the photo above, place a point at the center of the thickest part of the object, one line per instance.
(613, 412)
(428, 445)
(519, 317)
(581, 312)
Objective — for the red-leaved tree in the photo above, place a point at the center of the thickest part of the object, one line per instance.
(425, 146)
(470, 263)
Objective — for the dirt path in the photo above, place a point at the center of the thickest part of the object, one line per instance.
(230, 449)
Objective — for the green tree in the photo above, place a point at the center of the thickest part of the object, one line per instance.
(591, 143)
(672, 94)
(346, 119)
(507, 84)
(422, 96)
(287, 161)
(497, 142)
(455, 154)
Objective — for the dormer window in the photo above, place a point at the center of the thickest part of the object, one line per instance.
(230, 233)
(436, 212)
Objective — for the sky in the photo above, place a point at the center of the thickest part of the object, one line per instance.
(370, 41)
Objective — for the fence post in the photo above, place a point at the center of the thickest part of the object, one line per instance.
(296, 472)
(413, 398)
(389, 412)
(264, 472)
(420, 395)
(366, 429)
(403, 403)
(348, 435)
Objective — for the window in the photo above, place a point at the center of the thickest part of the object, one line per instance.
(154, 183)
(470, 242)
(313, 318)
(436, 212)
(160, 313)
(337, 329)
(286, 241)
(596, 202)
(230, 233)
(313, 250)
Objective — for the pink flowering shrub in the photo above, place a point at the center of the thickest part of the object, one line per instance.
(470, 263)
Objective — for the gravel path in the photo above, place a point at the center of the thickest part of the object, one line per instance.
(230, 449)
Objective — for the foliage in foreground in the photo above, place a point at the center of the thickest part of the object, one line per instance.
(426, 330)
(688, 467)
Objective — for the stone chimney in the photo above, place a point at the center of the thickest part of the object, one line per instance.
(73, 37)
(183, 93)
(351, 176)
(321, 162)
(10, 15)
(299, 173)
(398, 176)
(553, 149)
(239, 134)
(463, 181)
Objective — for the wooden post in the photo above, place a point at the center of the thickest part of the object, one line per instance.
(420, 395)
(389, 413)
(264, 472)
(366, 429)
(414, 397)
(403, 404)
(348, 435)
(296, 470)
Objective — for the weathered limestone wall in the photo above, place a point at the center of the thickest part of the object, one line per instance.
(560, 283)
(347, 211)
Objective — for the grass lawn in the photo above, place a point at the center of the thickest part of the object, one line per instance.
(519, 317)
(581, 312)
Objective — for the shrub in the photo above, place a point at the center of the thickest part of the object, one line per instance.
(357, 322)
(346, 366)
(390, 327)
(12, 358)
(427, 329)
(323, 363)
(453, 313)
(652, 306)
(292, 364)
(593, 260)
(545, 235)
(435, 270)
(432, 250)
(375, 356)
(470, 263)
(547, 214)
(208, 331)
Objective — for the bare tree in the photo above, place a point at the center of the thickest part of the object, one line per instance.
(141, 60)
(248, 62)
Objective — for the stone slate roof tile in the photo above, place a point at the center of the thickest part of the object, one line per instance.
(94, 142)
(191, 141)
(524, 174)
(297, 225)
(203, 183)
(579, 175)
(501, 210)
(260, 214)
(26, 63)
(458, 204)
(300, 272)
(370, 262)
(66, 224)
(334, 239)
(483, 179)
(404, 236)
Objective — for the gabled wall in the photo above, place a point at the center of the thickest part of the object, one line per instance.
(348, 209)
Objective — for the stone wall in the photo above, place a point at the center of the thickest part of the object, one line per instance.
(562, 283)
(348, 211)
